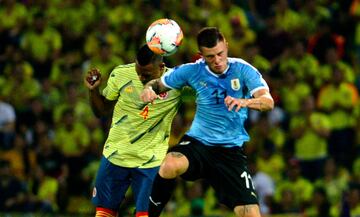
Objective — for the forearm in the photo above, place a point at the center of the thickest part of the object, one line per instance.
(263, 103)
(98, 105)
(157, 86)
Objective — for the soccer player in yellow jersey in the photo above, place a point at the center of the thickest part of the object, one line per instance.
(139, 132)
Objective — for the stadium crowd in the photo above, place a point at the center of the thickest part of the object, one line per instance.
(304, 155)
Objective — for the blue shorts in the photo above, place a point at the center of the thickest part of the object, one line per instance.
(113, 181)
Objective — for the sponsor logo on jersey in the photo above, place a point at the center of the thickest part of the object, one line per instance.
(203, 83)
(235, 84)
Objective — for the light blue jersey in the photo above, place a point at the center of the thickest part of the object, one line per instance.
(213, 124)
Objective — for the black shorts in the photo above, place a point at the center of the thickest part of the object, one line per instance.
(224, 168)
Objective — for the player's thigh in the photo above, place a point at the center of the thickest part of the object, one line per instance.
(190, 163)
(174, 164)
(251, 210)
(111, 185)
(141, 185)
(227, 172)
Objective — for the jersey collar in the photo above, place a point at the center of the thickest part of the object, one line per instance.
(217, 75)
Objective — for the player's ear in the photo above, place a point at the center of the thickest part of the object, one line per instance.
(162, 65)
(200, 51)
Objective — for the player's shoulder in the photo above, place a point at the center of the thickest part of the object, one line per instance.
(186, 69)
(123, 70)
(238, 61)
(124, 67)
(241, 63)
(192, 65)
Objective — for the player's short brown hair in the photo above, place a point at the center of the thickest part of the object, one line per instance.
(209, 37)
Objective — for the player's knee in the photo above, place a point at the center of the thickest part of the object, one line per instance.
(168, 169)
(251, 210)
(173, 167)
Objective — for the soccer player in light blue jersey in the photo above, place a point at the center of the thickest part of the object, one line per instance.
(212, 148)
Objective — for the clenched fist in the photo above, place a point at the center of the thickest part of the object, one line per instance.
(148, 95)
(93, 78)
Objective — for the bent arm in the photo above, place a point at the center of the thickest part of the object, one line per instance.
(152, 89)
(262, 101)
(99, 104)
(157, 86)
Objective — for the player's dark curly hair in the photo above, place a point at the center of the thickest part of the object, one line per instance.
(209, 37)
(145, 56)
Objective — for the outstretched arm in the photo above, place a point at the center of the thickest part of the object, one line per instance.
(262, 101)
(99, 104)
(152, 89)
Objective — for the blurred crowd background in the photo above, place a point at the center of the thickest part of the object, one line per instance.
(303, 155)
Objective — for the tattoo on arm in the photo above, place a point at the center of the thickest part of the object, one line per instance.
(153, 84)
(256, 105)
(157, 86)
(262, 103)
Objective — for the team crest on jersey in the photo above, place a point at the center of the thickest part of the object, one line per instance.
(129, 89)
(94, 192)
(235, 84)
(163, 95)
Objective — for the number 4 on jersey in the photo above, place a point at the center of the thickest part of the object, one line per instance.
(145, 112)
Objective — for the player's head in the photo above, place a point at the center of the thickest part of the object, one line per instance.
(214, 49)
(148, 64)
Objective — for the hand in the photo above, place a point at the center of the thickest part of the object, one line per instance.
(230, 102)
(148, 95)
(93, 78)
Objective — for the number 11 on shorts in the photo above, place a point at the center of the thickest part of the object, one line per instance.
(248, 179)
